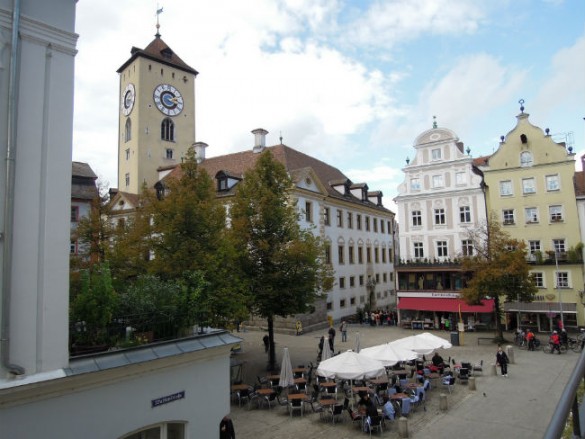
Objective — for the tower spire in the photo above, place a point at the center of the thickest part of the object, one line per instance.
(158, 12)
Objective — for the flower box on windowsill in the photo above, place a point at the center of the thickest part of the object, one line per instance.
(556, 220)
(508, 222)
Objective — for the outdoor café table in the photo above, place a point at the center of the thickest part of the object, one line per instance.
(264, 392)
(236, 387)
(327, 384)
(381, 380)
(295, 396)
(414, 385)
(399, 372)
(358, 389)
(433, 377)
(302, 370)
(300, 381)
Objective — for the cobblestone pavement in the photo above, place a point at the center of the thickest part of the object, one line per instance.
(520, 406)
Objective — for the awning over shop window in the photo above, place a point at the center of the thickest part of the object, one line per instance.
(540, 307)
(446, 305)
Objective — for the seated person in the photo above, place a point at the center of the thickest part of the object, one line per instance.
(364, 403)
(438, 362)
(388, 409)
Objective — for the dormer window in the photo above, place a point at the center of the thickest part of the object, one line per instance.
(166, 53)
(222, 184)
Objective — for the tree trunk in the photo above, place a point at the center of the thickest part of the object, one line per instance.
(271, 352)
(498, 314)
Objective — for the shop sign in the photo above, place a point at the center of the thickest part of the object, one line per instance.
(431, 295)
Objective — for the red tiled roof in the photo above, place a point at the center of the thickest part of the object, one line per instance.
(159, 51)
(238, 163)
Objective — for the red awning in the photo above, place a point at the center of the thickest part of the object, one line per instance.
(442, 304)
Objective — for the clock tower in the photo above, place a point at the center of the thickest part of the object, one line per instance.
(156, 114)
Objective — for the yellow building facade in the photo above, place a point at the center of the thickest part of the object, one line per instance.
(156, 114)
(529, 185)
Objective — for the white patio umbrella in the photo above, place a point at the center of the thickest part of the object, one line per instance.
(389, 354)
(440, 341)
(358, 342)
(350, 365)
(286, 374)
(419, 345)
(327, 353)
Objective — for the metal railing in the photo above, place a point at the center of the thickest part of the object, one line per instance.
(569, 403)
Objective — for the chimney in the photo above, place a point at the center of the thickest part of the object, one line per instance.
(259, 139)
(200, 151)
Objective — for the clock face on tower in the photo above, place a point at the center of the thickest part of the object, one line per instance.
(128, 96)
(168, 99)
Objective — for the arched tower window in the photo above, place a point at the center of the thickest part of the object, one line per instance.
(525, 159)
(167, 130)
(128, 130)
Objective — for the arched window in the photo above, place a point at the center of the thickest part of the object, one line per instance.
(167, 130)
(128, 130)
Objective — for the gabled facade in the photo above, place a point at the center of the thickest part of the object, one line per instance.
(358, 230)
(440, 199)
(530, 182)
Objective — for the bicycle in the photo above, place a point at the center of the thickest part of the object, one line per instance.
(548, 349)
(578, 347)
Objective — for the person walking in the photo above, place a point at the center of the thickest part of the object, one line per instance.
(332, 338)
(502, 361)
(343, 329)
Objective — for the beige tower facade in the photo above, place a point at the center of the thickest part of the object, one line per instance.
(156, 114)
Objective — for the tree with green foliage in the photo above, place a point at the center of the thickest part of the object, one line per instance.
(189, 236)
(92, 309)
(283, 266)
(498, 269)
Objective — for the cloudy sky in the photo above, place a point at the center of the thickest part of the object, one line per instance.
(352, 83)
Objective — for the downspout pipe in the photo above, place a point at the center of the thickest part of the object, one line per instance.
(7, 233)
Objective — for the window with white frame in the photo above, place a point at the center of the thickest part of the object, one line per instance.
(367, 221)
(534, 246)
(559, 246)
(375, 224)
(360, 255)
(358, 220)
(127, 179)
(340, 250)
(160, 431)
(552, 182)
(436, 153)
(531, 214)
(538, 279)
(506, 188)
(342, 282)
(528, 186)
(415, 184)
(349, 220)
(442, 249)
(464, 214)
(339, 218)
(419, 251)
(555, 213)
(326, 216)
(416, 218)
(460, 178)
(508, 216)
(562, 279)
(350, 254)
(440, 216)
(382, 222)
(308, 211)
(467, 247)
(437, 181)
(525, 159)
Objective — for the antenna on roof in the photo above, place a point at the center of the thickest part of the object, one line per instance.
(158, 12)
